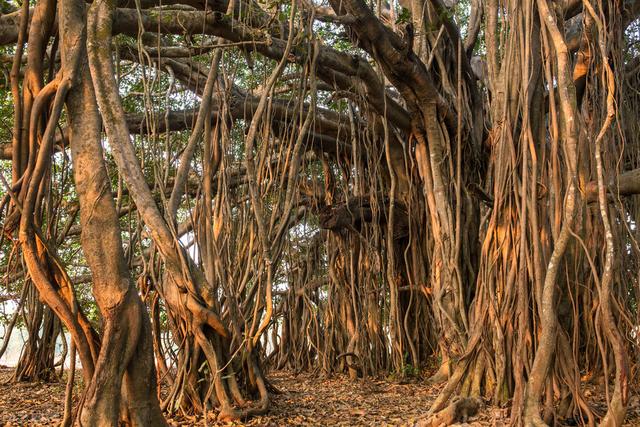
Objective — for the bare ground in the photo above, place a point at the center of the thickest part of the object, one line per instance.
(305, 400)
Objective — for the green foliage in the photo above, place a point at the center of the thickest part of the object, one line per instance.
(404, 17)
(410, 371)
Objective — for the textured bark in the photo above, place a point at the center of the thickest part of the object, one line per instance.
(387, 194)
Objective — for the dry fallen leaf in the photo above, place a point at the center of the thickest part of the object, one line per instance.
(306, 400)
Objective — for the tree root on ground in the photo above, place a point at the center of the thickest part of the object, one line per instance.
(459, 411)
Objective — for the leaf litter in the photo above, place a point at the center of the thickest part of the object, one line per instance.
(304, 400)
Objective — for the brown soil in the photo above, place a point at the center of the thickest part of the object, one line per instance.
(305, 400)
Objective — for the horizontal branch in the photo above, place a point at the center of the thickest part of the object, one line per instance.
(338, 69)
(626, 184)
(357, 211)
(330, 132)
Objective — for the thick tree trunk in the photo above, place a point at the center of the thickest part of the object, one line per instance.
(449, 212)
(124, 382)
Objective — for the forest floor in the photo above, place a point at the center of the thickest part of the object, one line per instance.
(305, 400)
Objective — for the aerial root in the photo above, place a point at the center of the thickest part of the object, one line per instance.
(459, 411)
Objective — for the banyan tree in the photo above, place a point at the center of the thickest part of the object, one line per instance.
(199, 192)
